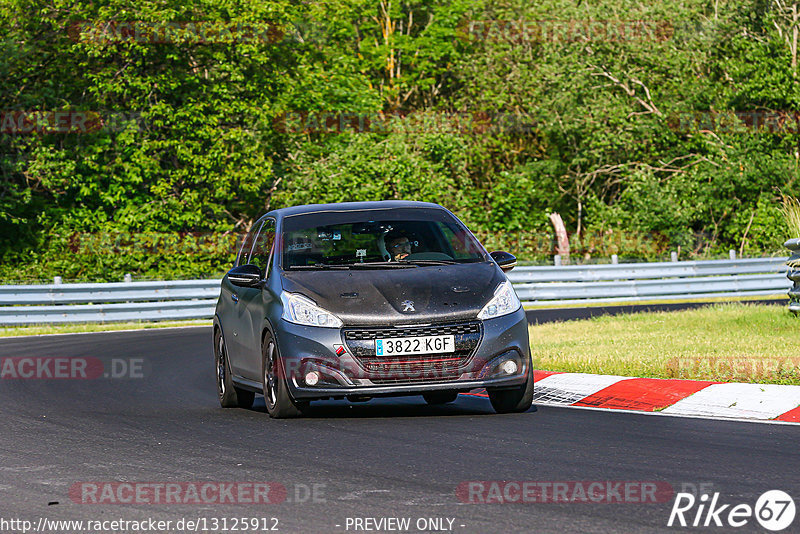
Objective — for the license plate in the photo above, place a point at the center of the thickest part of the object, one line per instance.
(404, 346)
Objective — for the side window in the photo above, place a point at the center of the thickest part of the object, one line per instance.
(263, 246)
(247, 246)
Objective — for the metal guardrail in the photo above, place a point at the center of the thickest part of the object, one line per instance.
(644, 282)
(118, 301)
(536, 286)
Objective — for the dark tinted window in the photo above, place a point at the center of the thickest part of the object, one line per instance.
(247, 246)
(262, 251)
(341, 238)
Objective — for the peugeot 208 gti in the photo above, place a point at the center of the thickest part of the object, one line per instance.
(370, 299)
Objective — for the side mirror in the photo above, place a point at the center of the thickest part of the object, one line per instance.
(505, 260)
(245, 276)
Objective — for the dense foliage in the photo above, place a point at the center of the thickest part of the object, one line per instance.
(649, 127)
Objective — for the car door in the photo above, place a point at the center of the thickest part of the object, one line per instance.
(254, 303)
(233, 314)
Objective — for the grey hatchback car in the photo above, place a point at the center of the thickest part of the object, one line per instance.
(368, 299)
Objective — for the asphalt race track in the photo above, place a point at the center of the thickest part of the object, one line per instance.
(385, 458)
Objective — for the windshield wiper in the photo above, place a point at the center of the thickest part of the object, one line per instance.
(428, 262)
(316, 267)
(345, 266)
(380, 265)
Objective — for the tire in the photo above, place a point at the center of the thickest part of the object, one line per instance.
(229, 395)
(514, 400)
(440, 397)
(279, 402)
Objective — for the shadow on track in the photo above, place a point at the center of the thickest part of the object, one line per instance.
(412, 406)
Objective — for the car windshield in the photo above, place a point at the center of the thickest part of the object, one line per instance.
(395, 238)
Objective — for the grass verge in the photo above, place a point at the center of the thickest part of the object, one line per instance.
(732, 342)
(38, 330)
(599, 303)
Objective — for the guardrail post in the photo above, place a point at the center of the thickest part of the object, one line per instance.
(673, 256)
(127, 278)
(732, 254)
(56, 280)
(614, 259)
(557, 260)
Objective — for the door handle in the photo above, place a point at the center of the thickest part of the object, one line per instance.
(234, 297)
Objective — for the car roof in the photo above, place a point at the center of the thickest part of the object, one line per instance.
(351, 206)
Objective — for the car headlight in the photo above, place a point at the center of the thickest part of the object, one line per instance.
(299, 309)
(503, 302)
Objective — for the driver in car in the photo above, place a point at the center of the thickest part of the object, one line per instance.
(398, 246)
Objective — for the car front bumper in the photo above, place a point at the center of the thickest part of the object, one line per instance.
(305, 349)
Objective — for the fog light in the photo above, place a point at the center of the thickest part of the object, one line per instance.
(509, 367)
(312, 378)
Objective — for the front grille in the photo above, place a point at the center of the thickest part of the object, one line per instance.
(412, 331)
(416, 368)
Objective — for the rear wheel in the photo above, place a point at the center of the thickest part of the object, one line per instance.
(514, 400)
(440, 397)
(229, 395)
(279, 403)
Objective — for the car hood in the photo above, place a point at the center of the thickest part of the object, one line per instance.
(426, 294)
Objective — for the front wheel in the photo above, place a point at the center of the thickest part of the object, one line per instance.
(279, 403)
(229, 395)
(514, 400)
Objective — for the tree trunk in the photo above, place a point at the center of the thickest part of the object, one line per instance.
(562, 239)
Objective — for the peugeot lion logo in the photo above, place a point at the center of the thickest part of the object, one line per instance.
(408, 306)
